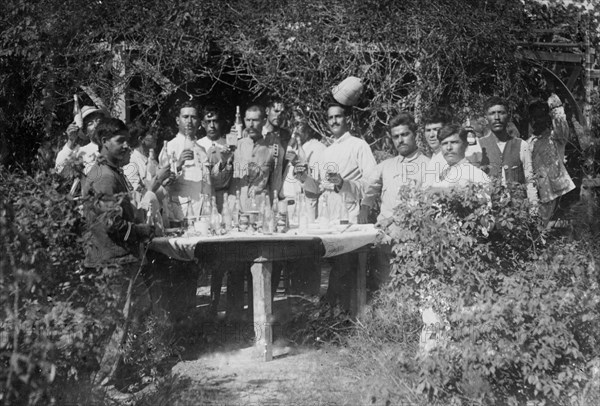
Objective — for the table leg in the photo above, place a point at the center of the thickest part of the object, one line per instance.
(359, 299)
(261, 286)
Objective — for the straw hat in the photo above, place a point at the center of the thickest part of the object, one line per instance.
(348, 91)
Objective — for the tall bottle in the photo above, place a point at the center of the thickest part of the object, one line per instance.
(226, 214)
(323, 211)
(215, 218)
(261, 207)
(235, 211)
(302, 157)
(152, 163)
(239, 127)
(268, 224)
(77, 117)
(344, 215)
(303, 215)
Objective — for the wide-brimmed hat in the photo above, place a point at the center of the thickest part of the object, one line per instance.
(87, 110)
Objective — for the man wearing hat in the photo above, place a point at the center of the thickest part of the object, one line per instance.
(78, 145)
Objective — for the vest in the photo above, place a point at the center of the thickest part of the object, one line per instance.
(493, 161)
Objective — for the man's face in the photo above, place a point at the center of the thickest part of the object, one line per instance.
(497, 117)
(453, 149)
(90, 126)
(404, 140)
(431, 132)
(254, 119)
(187, 121)
(212, 126)
(337, 121)
(275, 114)
(149, 141)
(117, 148)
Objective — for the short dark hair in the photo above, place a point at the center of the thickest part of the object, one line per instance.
(186, 104)
(451, 129)
(273, 101)
(137, 132)
(404, 118)
(437, 115)
(256, 107)
(347, 109)
(304, 128)
(108, 127)
(494, 101)
(538, 108)
(211, 109)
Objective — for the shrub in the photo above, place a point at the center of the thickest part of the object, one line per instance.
(56, 314)
(519, 308)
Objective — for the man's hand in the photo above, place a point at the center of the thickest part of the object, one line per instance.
(72, 134)
(291, 156)
(363, 214)
(335, 179)
(144, 232)
(186, 155)
(163, 174)
(301, 172)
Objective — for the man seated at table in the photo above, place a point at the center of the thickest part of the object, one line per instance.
(384, 184)
(459, 172)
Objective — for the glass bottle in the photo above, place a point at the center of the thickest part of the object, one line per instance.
(235, 211)
(226, 214)
(152, 163)
(268, 224)
(303, 216)
(323, 211)
(239, 127)
(344, 216)
(215, 218)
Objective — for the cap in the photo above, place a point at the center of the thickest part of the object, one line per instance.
(87, 110)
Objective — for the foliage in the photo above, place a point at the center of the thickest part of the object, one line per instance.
(56, 314)
(520, 309)
(411, 55)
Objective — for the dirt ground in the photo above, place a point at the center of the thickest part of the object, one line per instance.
(225, 370)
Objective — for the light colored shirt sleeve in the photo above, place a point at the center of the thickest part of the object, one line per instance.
(374, 186)
(367, 166)
(525, 155)
(62, 157)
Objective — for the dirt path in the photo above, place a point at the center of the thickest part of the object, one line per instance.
(297, 376)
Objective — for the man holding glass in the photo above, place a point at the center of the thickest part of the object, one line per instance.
(343, 168)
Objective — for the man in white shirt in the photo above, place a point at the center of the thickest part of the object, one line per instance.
(343, 170)
(193, 184)
(78, 145)
(342, 167)
(458, 172)
(384, 184)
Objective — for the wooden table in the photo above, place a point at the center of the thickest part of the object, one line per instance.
(261, 250)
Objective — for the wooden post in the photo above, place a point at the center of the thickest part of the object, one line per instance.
(261, 286)
(359, 298)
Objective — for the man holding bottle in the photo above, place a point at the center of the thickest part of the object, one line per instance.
(190, 160)
(220, 156)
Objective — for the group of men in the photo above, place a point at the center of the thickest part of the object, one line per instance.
(266, 158)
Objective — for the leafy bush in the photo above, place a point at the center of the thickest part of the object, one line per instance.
(56, 314)
(519, 308)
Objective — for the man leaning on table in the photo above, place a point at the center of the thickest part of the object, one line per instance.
(385, 183)
(343, 169)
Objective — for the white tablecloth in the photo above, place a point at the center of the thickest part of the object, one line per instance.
(334, 242)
